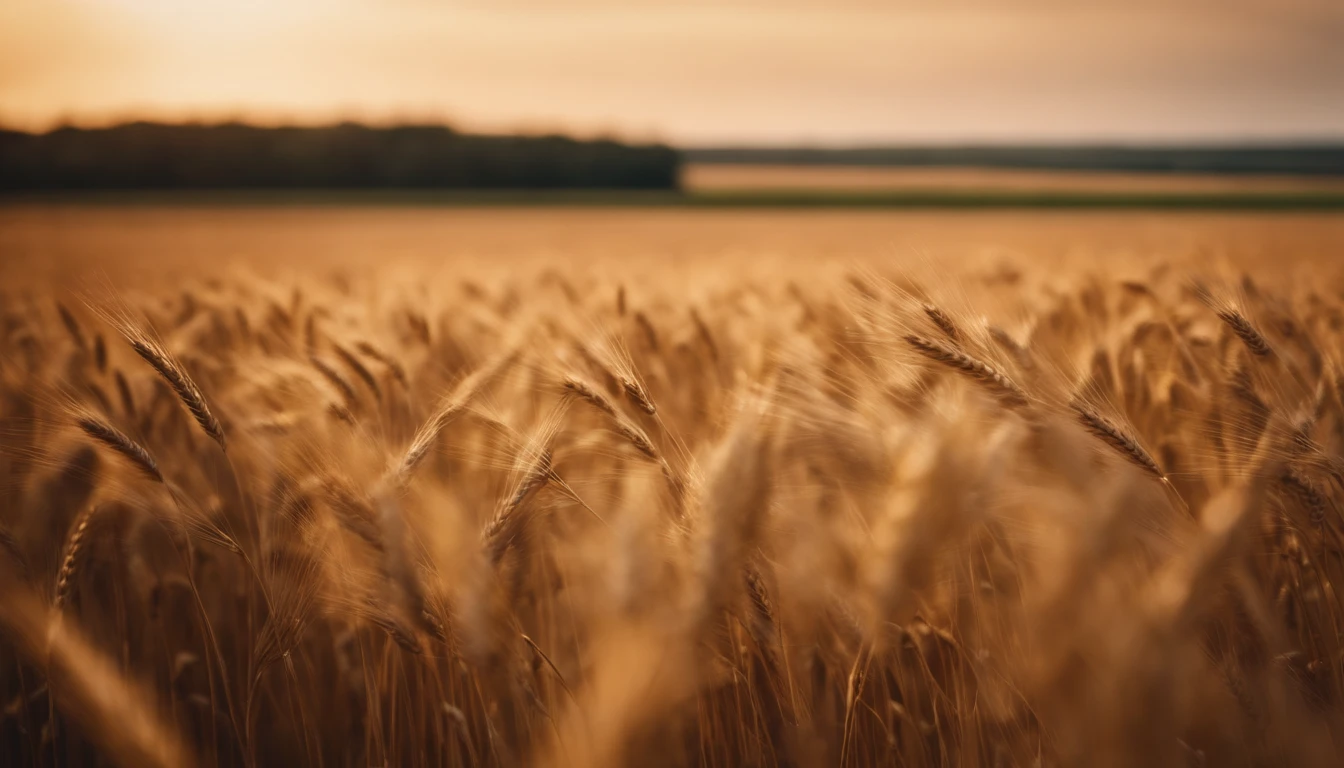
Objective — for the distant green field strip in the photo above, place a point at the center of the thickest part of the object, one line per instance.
(892, 199)
(1308, 200)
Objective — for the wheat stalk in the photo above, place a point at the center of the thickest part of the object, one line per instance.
(449, 407)
(1248, 334)
(398, 371)
(985, 374)
(338, 382)
(177, 379)
(107, 435)
(944, 322)
(364, 374)
(1117, 438)
(74, 552)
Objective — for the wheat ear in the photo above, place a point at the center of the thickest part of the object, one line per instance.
(1252, 338)
(944, 322)
(107, 435)
(176, 376)
(1117, 438)
(448, 409)
(74, 551)
(985, 374)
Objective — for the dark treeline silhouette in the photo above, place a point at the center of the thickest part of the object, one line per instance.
(345, 156)
(1301, 159)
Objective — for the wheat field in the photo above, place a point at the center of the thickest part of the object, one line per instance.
(1016, 511)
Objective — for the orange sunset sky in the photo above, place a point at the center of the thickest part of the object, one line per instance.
(787, 71)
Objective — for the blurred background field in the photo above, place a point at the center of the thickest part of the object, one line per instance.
(66, 241)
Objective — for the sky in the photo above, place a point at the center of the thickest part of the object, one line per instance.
(694, 73)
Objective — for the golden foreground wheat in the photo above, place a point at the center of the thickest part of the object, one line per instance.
(553, 519)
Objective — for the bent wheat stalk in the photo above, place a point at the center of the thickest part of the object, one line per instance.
(577, 387)
(983, 373)
(1252, 338)
(943, 321)
(1118, 439)
(107, 435)
(448, 409)
(172, 372)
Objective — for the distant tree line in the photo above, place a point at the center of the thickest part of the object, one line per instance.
(1294, 159)
(345, 156)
